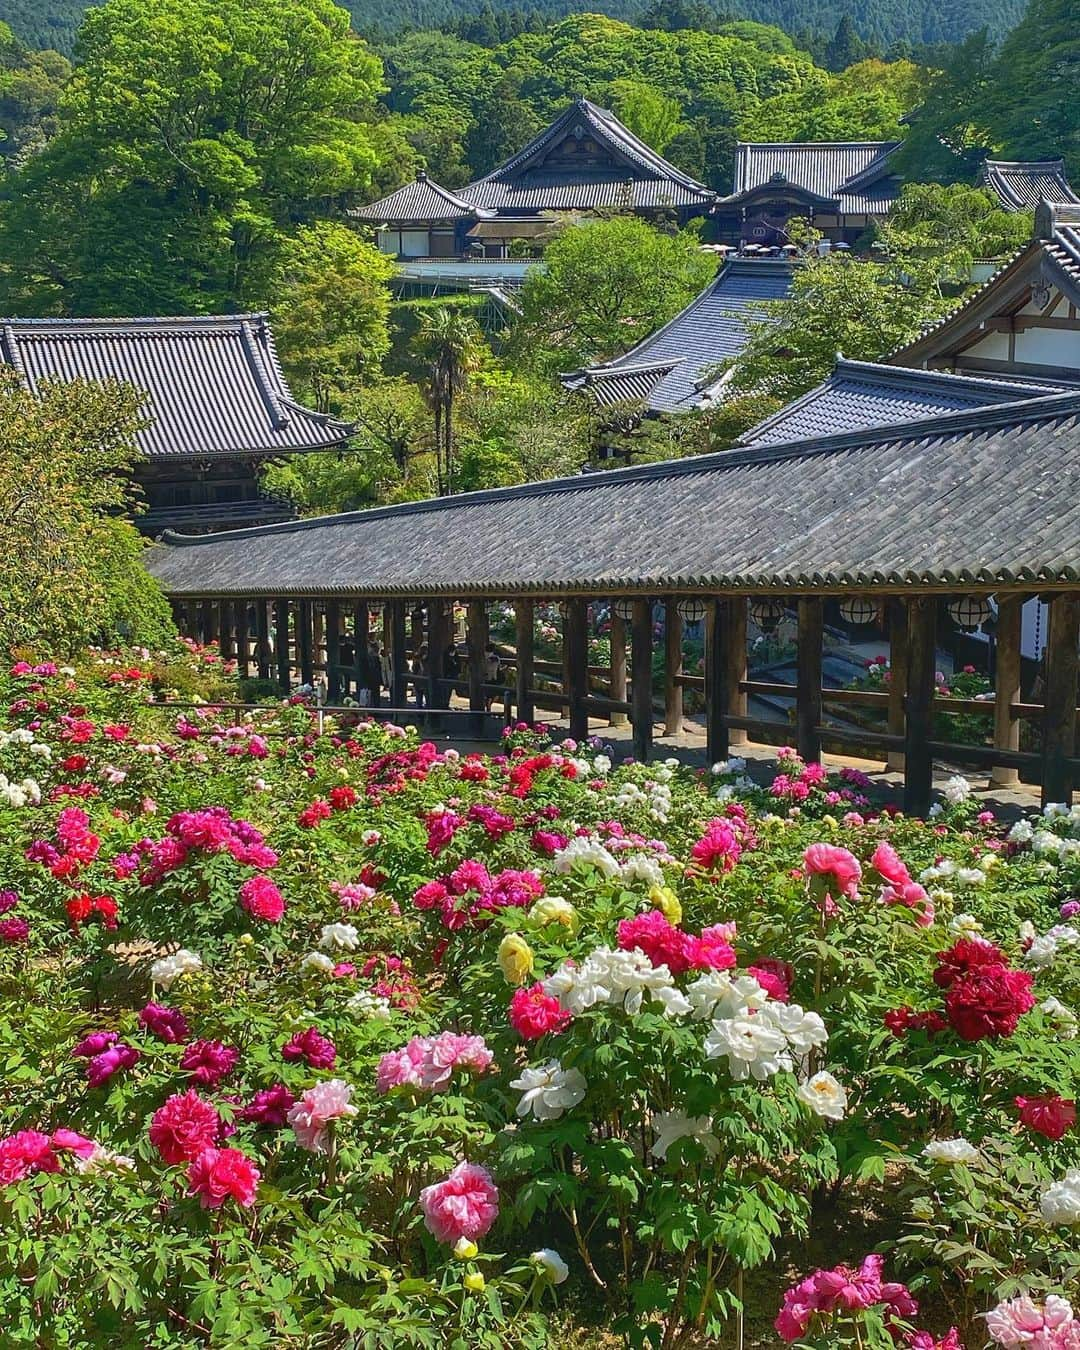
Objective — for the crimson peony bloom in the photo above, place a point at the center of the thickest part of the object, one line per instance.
(534, 1014)
(167, 1024)
(312, 1047)
(775, 976)
(343, 796)
(183, 1127)
(270, 1106)
(1052, 1116)
(966, 955)
(209, 1062)
(988, 1002)
(218, 1173)
(14, 930)
(465, 1205)
(262, 899)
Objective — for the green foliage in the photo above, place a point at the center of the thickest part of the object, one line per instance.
(606, 285)
(75, 572)
(331, 310)
(191, 137)
(865, 102)
(656, 119)
(958, 222)
(30, 85)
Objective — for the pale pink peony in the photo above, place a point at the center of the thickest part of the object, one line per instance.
(313, 1113)
(465, 1205)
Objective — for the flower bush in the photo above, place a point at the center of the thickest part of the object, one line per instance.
(348, 1039)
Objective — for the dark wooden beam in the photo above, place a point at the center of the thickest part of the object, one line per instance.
(1059, 717)
(737, 617)
(398, 673)
(477, 621)
(673, 668)
(526, 673)
(304, 642)
(225, 630)
(281, 645)
(641, 679)
(262, 640)
(576, 665)
(898, 658)
(716, 680)
(333, 651)
(1007, 685)
(919, 705)
(808, 692)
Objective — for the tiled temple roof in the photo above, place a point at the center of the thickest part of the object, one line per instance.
(852, 176)
(1020, 185)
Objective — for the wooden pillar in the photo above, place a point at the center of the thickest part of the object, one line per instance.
(438, 636)
(204, 622)
(641, 679)
(246, 612)
(617, 683)
(333, 651)
(808, 692)
(179, 615)
(318, 637)
(281, 645)
(395, 610)
(416, 628)
(225, 630)
(576, 666)
(477, 632)
(262, 640)
(1007, 685)
(898, 664)
(673, 668)
(737, 609)
(717, 667)
(523, 627)
(1059, 712)
(304, 637)
(919, 704)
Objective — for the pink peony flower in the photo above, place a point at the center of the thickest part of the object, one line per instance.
(775, 976)
(262, 899)
(102, 1067)
(465, 1205)
(312, 1047)
(834, 873)
(24, 1153)
(218, 1173)
(183, 1127)
(534, 1014)
(68, 1141)
(317, 1108)
(719, 848)
(208, 1062)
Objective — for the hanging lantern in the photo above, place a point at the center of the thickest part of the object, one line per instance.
(857, 609)
(766, 614)
(692, 609)
(970, 611)
(623, 609)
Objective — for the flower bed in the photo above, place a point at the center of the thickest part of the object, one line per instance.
(338, 1040)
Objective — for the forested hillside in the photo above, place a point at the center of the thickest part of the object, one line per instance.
(883, 23)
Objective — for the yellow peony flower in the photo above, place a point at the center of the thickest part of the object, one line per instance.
(666, 901)
(554, 909)
(474, 1281)
(515, 958)
(464, 1249)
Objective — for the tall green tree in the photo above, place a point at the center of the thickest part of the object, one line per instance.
(331, 310)
(75, 572)
(192, 135)
(451, 344)
(649, 114)
(606, 285)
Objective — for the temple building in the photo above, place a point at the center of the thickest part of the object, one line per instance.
(585, 160)
(674, 370)
(840, 187)
(217, 405)
(1020, 185)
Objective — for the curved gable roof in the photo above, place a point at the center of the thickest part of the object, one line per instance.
(1021, 184)
(421, 200)
(214, 385)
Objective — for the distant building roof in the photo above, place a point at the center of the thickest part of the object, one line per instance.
(671, 370)
(863, 394)
(423, 200)
(855, 177)
(616, 170)
(1021, 184)
(214, 384)
(983, 498)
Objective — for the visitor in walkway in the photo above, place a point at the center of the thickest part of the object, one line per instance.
(492, 668)
(374, 672)
(420, 674)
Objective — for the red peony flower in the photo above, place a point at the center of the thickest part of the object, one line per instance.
(218, 1173)
(342, 797)
(1052, 1116)
(183, 1127)
(313, 1047)
(988, 1002)
(534, 1014)
(966, 955)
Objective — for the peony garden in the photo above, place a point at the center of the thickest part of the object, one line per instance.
(315, 1033)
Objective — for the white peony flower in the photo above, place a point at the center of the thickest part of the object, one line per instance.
(720, 994)
(824, 1096)
(951, 1151)
(102, 1160)
(1060, 1202)
(612, 977)
(583, 853)
(371, 1005)
(956, 790)
(1064, 1020)
(316, 963)
(673, 1125)
(342, 936)
(166, 971)
(550, 1263)
(1021, 832)
(753, 1047)
(549, 1090)
(965, 925)
(642, 867)
(803, 1030)
(602, 765)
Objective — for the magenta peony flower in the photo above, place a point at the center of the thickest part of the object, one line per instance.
(719, 848)
(534, 1014)
(102, 1067)
(1052, 1116)
(68, 1141)
(270, 1106)
(95, 1043)
(208, 1062)
(167, 1024)
(14, 930)
(24, 1153)
(312, 1047)
(218, 1173)
(183, 1127)
(262, 899)
(465, 1205)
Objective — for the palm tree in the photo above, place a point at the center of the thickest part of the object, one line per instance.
(451, 342)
